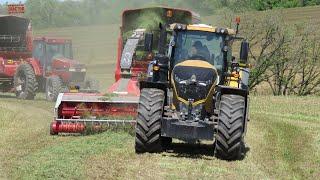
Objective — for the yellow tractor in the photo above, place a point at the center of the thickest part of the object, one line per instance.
(195, 90)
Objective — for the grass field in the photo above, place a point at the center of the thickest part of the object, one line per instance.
(283, 139)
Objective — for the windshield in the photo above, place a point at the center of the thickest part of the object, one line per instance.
(199, 45)
(59, 51)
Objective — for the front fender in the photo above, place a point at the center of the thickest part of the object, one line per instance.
(36, 66)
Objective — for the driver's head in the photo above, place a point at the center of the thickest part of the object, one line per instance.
(196, 46)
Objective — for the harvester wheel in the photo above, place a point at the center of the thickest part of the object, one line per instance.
(53, 88)
(25, 82)
(92, 84)
(148, 127)
(229, 133)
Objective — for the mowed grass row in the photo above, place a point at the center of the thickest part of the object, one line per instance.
(283, 140)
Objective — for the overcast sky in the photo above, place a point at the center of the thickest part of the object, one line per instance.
(11, 1)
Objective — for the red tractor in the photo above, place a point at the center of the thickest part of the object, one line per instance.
(60, 72)
(47, 65)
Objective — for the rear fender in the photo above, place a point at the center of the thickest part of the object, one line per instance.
(231, 90)
(148, 84)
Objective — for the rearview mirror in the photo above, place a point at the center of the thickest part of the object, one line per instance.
(148, 42)
(244, 51)
(160, 26)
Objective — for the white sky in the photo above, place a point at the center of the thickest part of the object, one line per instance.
(15, 1)
(11, 1)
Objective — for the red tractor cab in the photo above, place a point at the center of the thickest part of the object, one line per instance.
(61, 73)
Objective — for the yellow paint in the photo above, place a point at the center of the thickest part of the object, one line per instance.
(234, 81)
(173, 107)
(74, 90)
(201, 28)
(10, 61)
(204, 27)
(156, 68)
(196, 63)
(207, 28)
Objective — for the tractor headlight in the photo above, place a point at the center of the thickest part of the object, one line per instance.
(83, 70)
(72, 69)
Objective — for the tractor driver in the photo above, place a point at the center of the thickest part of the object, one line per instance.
(54, 52)
(199, 51)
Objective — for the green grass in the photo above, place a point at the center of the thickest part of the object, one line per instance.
(283, 142)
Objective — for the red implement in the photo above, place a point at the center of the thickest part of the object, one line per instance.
(74, 112)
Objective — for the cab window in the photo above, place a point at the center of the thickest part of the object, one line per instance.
(199, 45)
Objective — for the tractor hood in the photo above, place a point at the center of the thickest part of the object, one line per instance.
(63, 63)
(193, 80)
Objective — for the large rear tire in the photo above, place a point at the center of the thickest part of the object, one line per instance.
(148, 127)
(25, 82)
(53, 88)
(229, 133)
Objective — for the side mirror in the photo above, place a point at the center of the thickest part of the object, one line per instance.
(160, 26)
(244, 51)
(148, 42)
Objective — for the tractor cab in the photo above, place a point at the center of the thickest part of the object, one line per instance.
(58, 66)
(46, 50)
(198, 58)
(199, 45)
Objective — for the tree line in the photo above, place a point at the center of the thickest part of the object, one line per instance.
(56, 13)
(285, 57)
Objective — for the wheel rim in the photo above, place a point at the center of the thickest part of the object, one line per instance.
(21, 82)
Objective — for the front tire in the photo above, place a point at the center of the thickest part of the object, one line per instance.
(25, 82)
(148, 127)
(229, 134)
(53, 88)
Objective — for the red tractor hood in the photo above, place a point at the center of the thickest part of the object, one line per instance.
(62, 62)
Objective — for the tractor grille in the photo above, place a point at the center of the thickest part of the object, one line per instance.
(77, 76)
(193, 91)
